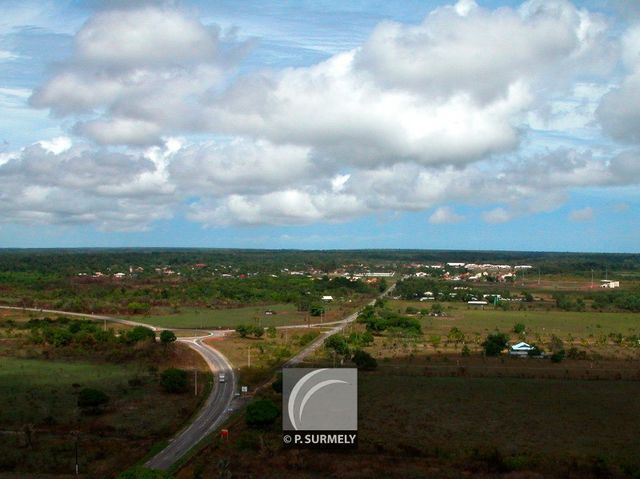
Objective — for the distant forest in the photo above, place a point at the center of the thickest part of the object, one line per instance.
(65, 262)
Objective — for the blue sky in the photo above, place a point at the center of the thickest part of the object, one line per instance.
(369, 124)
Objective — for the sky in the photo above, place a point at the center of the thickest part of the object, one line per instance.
(485, 125)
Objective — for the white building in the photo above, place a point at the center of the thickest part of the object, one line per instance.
(520, 349)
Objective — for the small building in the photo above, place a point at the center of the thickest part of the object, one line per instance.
(521, 349)
(607, 283)
(328, 299)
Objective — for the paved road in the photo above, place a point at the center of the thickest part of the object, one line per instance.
(339, 326)
(217, 406)
(83, 315)
(220, 403)
(214, 412)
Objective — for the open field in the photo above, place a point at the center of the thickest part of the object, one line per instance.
(39, 416)
(284, 314)
(236, 348)
(474, 319)
(412, 426)
(227, 318)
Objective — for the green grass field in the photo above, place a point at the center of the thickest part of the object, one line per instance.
(34, 390)
(40, 395)
(560, 323)
(221, 318)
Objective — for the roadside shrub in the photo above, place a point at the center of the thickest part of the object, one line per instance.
(338, 343)
(167, 337)
(364, 360)
(258, 331)
(139, 333)
(261, 414)
(174, 380)
(245, 330)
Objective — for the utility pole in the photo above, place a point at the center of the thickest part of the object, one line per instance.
(77, 466)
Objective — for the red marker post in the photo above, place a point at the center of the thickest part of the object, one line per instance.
(224, 434)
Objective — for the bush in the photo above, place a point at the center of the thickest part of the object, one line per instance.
(495, 344)
(139, 333)
(364, 360)
(261, 414)
(92, 399)
(338, 343)
(174, 380)
(518, 328)
(243, 330)
(558, 356)
(138, 308)
(258, 331)
(536, 351)
(167, 337)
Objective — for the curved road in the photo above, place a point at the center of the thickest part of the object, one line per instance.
(219, 405)
(214, 412)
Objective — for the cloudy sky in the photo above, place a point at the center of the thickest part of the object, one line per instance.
(321, 124)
